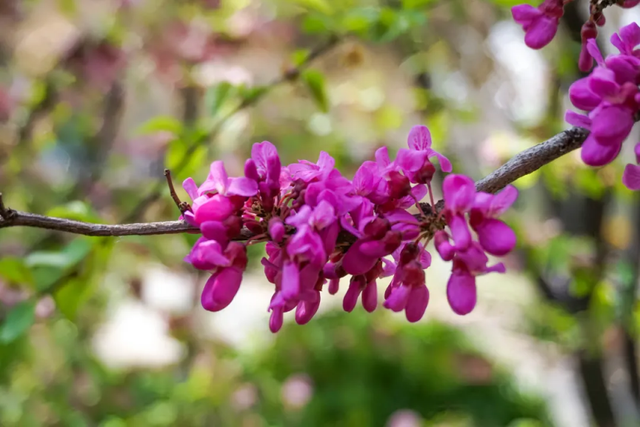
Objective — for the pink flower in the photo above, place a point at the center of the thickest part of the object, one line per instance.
(540, 24)
(631, 175)
(415, 161)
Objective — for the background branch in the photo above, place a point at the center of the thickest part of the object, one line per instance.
(522, 164)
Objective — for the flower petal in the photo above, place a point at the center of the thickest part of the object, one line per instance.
(218, 176)
(461, 292)
(631, 177)
(459, 231)
(398, 298)
(217, 208)
(496, 237)
(417, 303)
(595, 154)
(459, 192)
(612, 124)
(191, 188)
(579, 120)
(419, 138)
(524, 14)
(220, 289)
(541, 32)
(242, 187)
(370, 297)
(290, 280)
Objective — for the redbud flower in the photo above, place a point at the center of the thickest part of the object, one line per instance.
(540, 24)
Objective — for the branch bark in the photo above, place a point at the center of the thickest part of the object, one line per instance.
(522, 164)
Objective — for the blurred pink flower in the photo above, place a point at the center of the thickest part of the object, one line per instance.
(404, 418)
(297, 391)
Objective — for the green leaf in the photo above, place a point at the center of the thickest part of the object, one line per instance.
(14, 270)
(18, 321)
(320, 5)
(252, 94)
(299, 56)
(161, 124)
(216, 96)
(316, 23)
(69, 297)
(421, 4)
(76, 210)
(73, 253)
(314, 80)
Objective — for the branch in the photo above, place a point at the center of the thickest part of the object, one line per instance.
(522, 164)
(532, 159)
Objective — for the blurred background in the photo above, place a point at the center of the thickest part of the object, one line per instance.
(97, 97)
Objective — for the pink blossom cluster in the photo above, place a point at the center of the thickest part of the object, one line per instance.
(609, 94)
(540, 24)
(320, 227)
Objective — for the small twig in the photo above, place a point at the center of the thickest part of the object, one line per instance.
(182, 206)
(5, 213)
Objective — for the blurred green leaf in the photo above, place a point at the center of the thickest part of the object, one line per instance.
(359, 20)
(216, 96)
(74, 252)
(14, 270)
(69, 297)
(417, 4)
(18, 321)
(76, 210)
(314, 80)
(299, 56)
(252, 94)
(316, 23)
(160, 124)
(320, 5)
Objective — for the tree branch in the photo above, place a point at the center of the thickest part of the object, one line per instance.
(522, 164)
(532, 159)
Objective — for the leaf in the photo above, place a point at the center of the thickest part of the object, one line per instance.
(14, 270)
(76, 210)
(316, 23)
(74, 252)
(314, 80)
(216, 96)
(69, 297)
(18, 321)
(161, 123)
(320, 5)
(253, 94)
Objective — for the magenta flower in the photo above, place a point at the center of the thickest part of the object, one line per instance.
(415, 161)
(631, 175)
(408, 290)
(495, 237)
(540, 24)
(461, 288)
(300, 210)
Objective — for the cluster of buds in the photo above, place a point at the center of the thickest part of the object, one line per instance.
(320, 227)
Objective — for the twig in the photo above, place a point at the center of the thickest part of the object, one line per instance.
(532, 159)
(5, 214)
(522, 164)
(183, 206)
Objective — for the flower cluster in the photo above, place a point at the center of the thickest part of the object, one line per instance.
(320, 227)
(541, 24)
(609, 94)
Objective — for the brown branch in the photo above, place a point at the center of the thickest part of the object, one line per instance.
(522, 164)
(532, 159)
